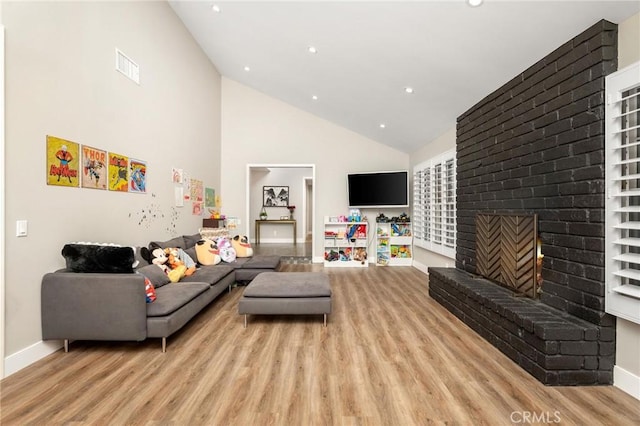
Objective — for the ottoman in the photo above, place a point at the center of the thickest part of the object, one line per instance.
(287, 293)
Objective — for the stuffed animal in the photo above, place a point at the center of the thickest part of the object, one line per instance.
(207, 252)
(227, 252)
(360, 255)
(242, 246)
(155, 255)
(177, 268)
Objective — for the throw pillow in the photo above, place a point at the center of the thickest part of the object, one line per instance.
(155, 274)
(149, 290)
(95, 258)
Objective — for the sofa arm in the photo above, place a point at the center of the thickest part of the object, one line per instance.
(82, 306)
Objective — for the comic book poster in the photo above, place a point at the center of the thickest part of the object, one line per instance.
(118, 172)
(209, 197)
(137, 176)
(62, 162)
(94, 168)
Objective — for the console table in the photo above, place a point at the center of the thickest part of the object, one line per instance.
(260, 222)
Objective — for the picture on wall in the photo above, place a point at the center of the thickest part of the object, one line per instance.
(275, 196)
(118, 172)
(94, 168)
(137, 176)
(209, 197)
(62, 162)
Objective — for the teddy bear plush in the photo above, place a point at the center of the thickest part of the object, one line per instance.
(242, 246)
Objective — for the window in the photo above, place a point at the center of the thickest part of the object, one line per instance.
(434, 204)
(622, 175)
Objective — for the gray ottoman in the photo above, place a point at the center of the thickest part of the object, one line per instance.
(287, 293)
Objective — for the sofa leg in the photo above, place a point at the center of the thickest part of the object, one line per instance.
(245, 320)
(164, 344)
(325, 320)
(66, 345)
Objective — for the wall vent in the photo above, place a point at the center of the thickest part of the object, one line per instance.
(126, 66)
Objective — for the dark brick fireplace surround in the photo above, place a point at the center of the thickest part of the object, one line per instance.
(536, 145)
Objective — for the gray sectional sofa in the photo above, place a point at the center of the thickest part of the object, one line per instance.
(112, 306)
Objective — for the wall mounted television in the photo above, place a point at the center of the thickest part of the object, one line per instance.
(378, 189)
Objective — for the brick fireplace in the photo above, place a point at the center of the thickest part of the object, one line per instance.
(536, 146)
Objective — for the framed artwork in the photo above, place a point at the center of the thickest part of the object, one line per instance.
(137, 176)
(94, 168)
(118, 172)
(275, 196)
(62, 162)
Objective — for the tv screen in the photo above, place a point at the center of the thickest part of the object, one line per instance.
(378, 189)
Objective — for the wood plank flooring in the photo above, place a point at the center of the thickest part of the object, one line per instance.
(389, 356)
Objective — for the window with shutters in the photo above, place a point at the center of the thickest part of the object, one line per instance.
(622, 174)
(434, 204)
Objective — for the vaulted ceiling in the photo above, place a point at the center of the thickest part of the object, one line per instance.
(369, 53)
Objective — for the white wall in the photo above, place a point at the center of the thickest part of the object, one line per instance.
(61, 81)
(627, 369)
(258, 129)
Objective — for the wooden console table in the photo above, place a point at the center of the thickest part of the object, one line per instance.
(291, 222)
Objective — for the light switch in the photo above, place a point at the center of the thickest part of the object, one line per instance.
(21, 228)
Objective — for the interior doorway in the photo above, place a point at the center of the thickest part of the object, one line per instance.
(300, 179)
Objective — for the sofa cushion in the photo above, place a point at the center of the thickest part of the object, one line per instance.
(238, 263)
(191, 240)
(155, 274)
(262, 262)
(177, 242)
(170, 298)
(208, 274)
(192, 253)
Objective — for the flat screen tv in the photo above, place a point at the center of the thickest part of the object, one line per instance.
(378, 189)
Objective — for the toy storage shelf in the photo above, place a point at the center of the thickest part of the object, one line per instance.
(345, 244)
(394, 244)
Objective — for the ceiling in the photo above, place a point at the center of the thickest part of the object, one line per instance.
(368, 52)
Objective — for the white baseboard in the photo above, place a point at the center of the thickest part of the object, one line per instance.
(628, 382)
(288, 240)
(27, 356)
(420, 266)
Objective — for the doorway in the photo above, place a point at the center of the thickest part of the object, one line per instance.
(299, 178)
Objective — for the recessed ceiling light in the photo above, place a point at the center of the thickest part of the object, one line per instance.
(216, 8)
(408, 89)
(314, 97)
(382, 125)
(312, 49)
(474, 3)
(246, 68)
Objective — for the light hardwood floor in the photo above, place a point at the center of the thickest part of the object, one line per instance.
(389, 356)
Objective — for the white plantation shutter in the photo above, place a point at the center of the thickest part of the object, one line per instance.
(434, 204)
(622, 175)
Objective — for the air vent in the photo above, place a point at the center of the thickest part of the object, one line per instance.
(126, 66)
